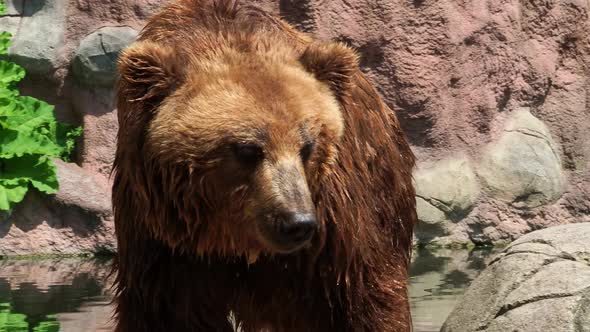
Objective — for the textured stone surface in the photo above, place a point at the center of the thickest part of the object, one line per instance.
(428, 213)
(100, 129)
(449, 185)
(553, 314)
(541, 282)
(523, 166)
(446, 191)
(10, 23)
(76, 220)
(40, 34)
(95, 62)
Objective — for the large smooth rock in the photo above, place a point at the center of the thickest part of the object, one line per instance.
(445, 192)
(541, 282)
(95, 63)
(77, 220)
(10, 21)
(9, 24)
(39, 34)
(449, 185)
(523, 166)
(428, 213)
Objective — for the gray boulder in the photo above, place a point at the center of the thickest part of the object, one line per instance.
(446, 191)
(541, 282)
(523, 166)
(38, 28)
(10, 21)
(95, 63)
(448, 185)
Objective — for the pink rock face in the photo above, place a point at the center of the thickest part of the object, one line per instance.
(76, 220)
(455, 72)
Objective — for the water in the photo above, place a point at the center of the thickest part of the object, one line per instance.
(68, 294)
(71, 294)
(438, 280)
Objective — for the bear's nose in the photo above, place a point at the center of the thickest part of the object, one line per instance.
(298, 227)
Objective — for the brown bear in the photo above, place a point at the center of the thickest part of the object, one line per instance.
(261, 184)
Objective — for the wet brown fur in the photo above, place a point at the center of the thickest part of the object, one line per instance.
(183, 262)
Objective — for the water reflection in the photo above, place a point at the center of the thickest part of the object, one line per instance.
(69, 294)
(438, 280)
(72, 294)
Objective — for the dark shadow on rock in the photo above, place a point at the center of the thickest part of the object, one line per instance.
(29, 7)
(298, 13)
(37, 208)
(416, 122)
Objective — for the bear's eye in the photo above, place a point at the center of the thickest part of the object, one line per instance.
(248, 152)
(306, 151)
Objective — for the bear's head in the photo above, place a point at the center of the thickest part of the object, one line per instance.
(232, 143)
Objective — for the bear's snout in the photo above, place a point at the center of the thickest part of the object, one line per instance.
(285, 213)
(286, 232)
(295, 229)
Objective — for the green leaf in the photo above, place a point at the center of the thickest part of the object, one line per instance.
(10, 72)
(30, 136)
(5, 42)
(11, 322)
(37, 170)
(18, 173)
(50, 325)
(66, 137)
(29, 127)
(12, 194)
(2, 8)
(14, 322)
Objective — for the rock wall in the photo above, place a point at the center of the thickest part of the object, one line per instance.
(493, 95)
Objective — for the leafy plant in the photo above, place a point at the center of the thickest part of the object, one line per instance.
(10, 321)
(30, 136)
(13, 322)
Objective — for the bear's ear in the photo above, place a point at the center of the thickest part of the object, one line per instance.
(333, 64)
(147, 73)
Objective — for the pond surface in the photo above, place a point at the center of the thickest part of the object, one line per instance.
(71, 294)
(438, 280)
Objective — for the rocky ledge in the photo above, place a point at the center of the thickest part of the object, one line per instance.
(541, 282)
(77, 220)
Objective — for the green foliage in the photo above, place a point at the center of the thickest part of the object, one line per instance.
(10, 322)
(50, 325)
(29, 137)
(4, 42)
(13, 322)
